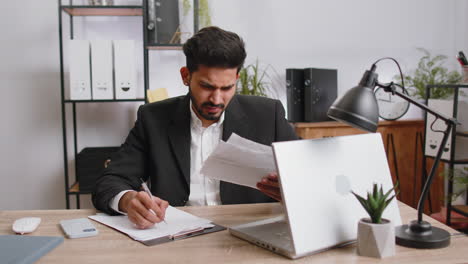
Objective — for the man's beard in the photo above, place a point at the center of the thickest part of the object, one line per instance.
(199, 108)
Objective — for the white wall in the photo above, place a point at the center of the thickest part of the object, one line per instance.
(346, 35)
(31, 165)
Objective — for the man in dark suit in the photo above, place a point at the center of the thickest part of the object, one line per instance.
(172, 138)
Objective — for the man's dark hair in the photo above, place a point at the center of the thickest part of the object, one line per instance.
(214, 47)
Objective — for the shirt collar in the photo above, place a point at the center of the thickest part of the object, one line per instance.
(197, 123)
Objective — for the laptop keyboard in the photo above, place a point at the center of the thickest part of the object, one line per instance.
(276, 234)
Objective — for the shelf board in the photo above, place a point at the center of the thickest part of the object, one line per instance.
(335, 124)
(103, 10)
(461, 209)
(462, 134)
(75, 189)
(105, 101)
(165, 47)
(458, 161)
(461, 85)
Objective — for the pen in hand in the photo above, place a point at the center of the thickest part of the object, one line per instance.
(147, 190)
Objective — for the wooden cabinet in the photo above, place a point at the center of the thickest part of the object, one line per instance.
(403, 142)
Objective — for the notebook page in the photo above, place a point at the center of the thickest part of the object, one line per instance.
(176, 221)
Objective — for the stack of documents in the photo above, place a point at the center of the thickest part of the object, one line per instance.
(176, 222)
(239, 161)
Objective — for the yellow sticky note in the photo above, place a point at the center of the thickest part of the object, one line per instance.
(156, 95)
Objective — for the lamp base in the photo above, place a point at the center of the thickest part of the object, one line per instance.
(421, 235)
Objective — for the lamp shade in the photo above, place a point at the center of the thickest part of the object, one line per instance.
(358, 106)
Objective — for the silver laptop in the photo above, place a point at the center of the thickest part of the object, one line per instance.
(316, 177)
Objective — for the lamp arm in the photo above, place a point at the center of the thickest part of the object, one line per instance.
(390, 88)
(450, 122)
(432, 173)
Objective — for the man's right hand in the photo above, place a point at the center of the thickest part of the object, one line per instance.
(143, 211)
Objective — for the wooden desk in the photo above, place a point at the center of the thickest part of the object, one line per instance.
(113, 247)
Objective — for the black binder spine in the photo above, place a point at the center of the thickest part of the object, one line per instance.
(295, 94)
(320, 91)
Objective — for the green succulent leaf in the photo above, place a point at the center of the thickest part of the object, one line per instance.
(372, 202)
(387, 202)
(390, 191)
(376, 202)
(363, 202)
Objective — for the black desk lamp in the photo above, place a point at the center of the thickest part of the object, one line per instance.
(358, 108)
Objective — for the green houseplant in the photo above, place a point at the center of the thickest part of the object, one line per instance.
(430, 70)
(203, 11)
(204, 16)
(376, 236)
(459, 180)
(253, 80)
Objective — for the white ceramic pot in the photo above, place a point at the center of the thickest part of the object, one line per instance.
(376, 240)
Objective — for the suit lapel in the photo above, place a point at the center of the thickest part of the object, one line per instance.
(235, 121)
(180, 137)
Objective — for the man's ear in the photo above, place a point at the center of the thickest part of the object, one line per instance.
(185, 75)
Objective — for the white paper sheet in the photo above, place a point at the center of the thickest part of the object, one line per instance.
(176, 221)
(239, 161)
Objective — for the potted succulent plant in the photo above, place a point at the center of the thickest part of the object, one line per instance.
(376, 235)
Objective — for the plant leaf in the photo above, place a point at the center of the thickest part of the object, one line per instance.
(363, 202)
(431, 70)
(376, 201)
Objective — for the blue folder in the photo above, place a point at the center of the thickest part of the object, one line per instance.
(25, 249)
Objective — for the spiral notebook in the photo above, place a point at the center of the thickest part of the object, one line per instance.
(178, 225)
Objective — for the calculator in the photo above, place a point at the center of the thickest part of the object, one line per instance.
(77, 228)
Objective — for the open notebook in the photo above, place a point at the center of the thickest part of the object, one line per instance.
(178, 225)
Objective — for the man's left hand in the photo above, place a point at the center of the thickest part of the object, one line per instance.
(269, 185)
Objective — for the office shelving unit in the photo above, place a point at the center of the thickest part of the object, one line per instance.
(452, 161)
(72, 11)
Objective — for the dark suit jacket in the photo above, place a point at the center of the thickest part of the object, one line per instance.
(158, 147)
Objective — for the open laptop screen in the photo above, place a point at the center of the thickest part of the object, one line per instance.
(316, 178)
